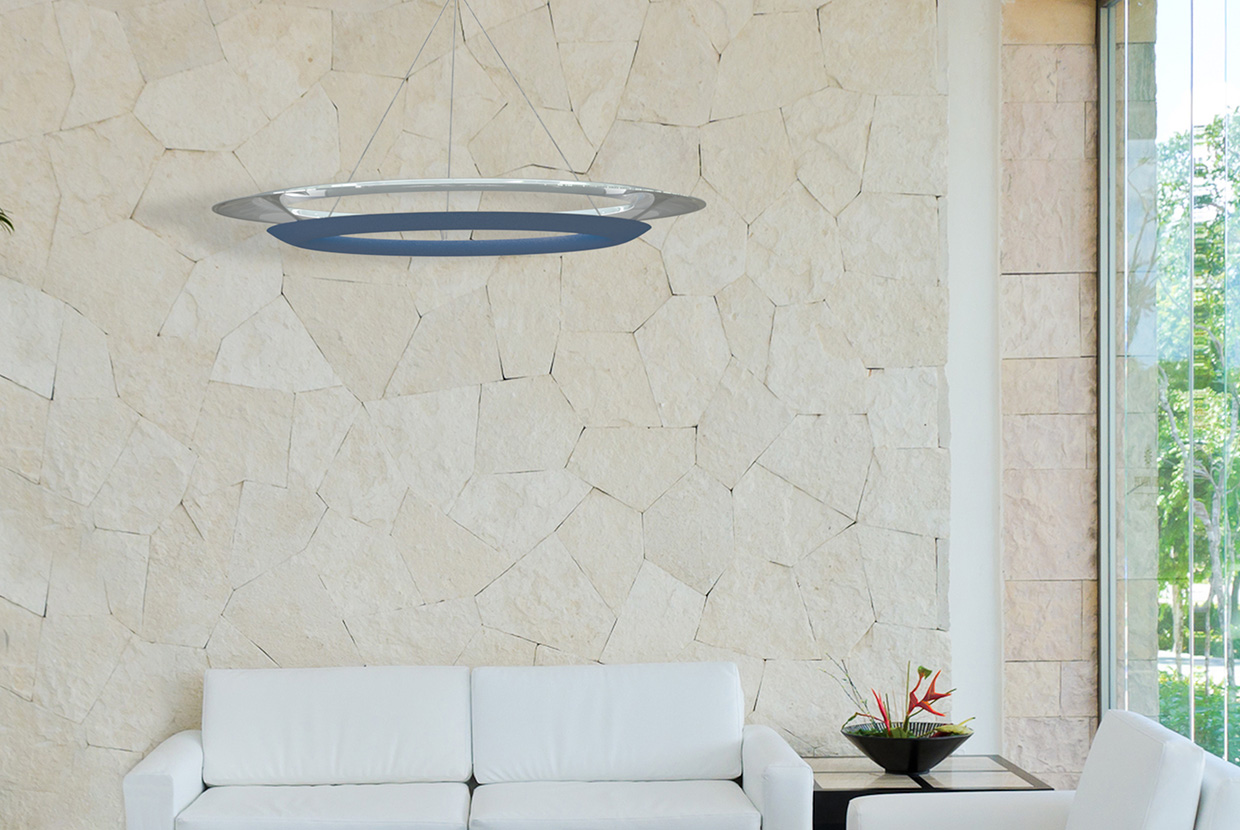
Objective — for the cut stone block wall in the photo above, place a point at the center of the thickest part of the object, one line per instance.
(721, 441)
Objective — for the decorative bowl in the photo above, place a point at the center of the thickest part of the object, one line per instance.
(914, 755)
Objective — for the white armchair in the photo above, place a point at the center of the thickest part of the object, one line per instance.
(777, 780)
(164, 783)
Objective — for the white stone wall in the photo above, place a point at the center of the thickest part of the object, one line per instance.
(721, 441)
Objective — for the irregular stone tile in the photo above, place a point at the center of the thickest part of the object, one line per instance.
(588, 21)
(363, 481)
(634, 464)
(273, 350)
(602, 375)
(888, 47)
(892, 236)
(525, 300)
(495, 648)
(360, 101)
(494, 153)
(741, 421)
(813, 367)
(672, 80)
(604, 537)
(454, 345)
(171, 678)
(84, 440)
(756, 609)
(105, 575)
(273, 524)
(321, 420)
(32, 50)
(525, 425)
(84, 368)
(597, 298)
(748, 161)
(164, 379)
(220, 113)
(311, 126)
(432, 438)
(76, 657)
(722, 19)
(31, 193)
(904, 407)
(19, 648)
(360, 567)
(595, 73)
(446, 560)
(547, 656)
(228, 648)
(528, 45)
(428, 635)
(224, 290)
(908, 145)
(30, 329)
(106, 80)
(747, 316)
(40, 747)
(1040, 315)
(688, 530)
(187, 583)
(776, 521)
(170, 36)
(705, 251)
(148, 480)
(657, 621)
(108, 165)
(773, 61)
(1050, 524)
(829, 132)
(750, 667)
(288, 614)
(626, 156)
(882, 658)
(908, 490)
(902, 572)
(794, 251)
(245, 432)
(685, 352)
(515, 511)
(376, 41)
(477, 102)
(280, 51)
(546, 598)
(892, 324)
(832, 582)
(805, 703)
(827, 456)
(23, 425)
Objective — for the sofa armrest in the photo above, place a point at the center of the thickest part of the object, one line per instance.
(164, 783)
(1039, 810)
(777, 780)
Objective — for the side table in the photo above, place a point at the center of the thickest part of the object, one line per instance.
(839, 780)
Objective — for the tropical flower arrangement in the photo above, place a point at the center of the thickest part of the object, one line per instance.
(5, 222)
(889, 722)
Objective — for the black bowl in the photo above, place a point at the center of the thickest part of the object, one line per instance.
(904, 756)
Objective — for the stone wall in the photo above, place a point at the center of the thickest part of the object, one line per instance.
(1048, 256)
(721, 441)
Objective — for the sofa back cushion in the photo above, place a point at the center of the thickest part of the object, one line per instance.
(654, 722)
(372, 725)
(1220, 796)
(1139, 776)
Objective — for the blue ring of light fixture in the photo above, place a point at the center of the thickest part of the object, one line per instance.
(569, 232)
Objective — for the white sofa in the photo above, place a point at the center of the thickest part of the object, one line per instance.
(1138, 776)
(640, 747)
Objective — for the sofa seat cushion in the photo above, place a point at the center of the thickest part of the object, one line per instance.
(613, 805)
(330, 807)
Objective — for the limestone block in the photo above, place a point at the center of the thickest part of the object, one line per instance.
(32, 198)
(1049, 442)
(837, 595)
(244, 433)
(908, 145)
(302, 144)
(904, 406)
(1040, 314)
(595, 73)
(656, 155)
(123, 278)
(1050, 524)
(165, 379)
(1030, 386)
(224, 290)
(363, 481)
(528, 45)
(546, 598)
(273, 350)
(1078, 688)
(515, 511)
(756, 609)
(273, 524)
(672, 80)
(902, 571)
(454, 345)
(495, 648)
(205, 108)
(812, 365)
(432, 437)
(148, 480)
(1029, 72)
(748, 160)
(891, 235)
(747, 316)
(187, 583)
(30, 327)
(603, 377)
(794, 251)
(604, 537)
(156, 690)
(1049, 744)
(686, 353)
(84, 368)
(776, 521)
(445, 560)
(908, 490)
(741, 421)
(321, 420)
(1048, 208)
(888, 47)
(705, 251)
(170, 36)
(688, 530)
(76, 657)
(525, 424)
(107, 574)
(360, 567)
(1076, 72)
(105, 167)
(428, 635)
(19, 648)
(33, 51)
(280, 51)
(613, 289)
(589, 21)
(803, 701)
(1031, 690)
(634, 464)
(23, 424)
(525, 301)
(829, 132)
(1043, 131)
(827, 456)
(775, 60)
(892, 323)
(106, 80)
(377, 41)
(228, 648)
(657, 621)
(288, 614)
